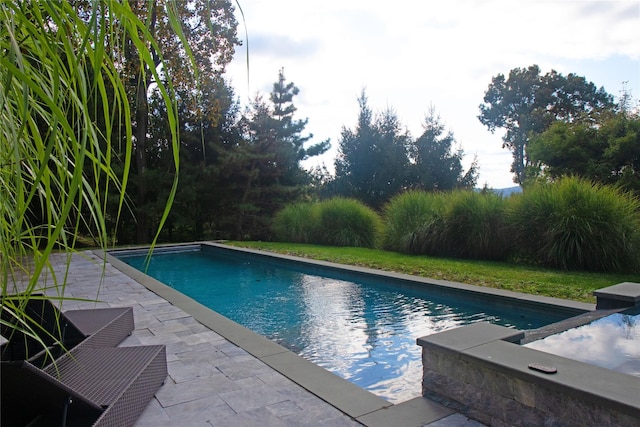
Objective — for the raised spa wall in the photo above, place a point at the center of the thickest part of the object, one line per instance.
(482, 371)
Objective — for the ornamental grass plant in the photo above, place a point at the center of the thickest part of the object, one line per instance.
(336, 222)
(347, 222)
(574, 224)
(62, 106)
(414, 223)
(296, 223)
(475, 226)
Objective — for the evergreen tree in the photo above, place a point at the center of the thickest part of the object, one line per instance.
(435, 164)
(372, 160)
(266, 163)
(288, 130)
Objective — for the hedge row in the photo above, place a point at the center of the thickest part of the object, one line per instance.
(570, 224)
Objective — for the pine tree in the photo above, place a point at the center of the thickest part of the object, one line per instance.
(266, 163)
(372, 160)
(436, 165)
(288, 130)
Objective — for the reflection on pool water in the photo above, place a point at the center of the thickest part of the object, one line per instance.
(364, 332)
(611, 342)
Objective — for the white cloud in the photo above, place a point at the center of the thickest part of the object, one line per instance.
(410, 54)
(282, 46)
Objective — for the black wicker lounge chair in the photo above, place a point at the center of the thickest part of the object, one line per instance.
(107, 326)
(91, 382)
(108, 386)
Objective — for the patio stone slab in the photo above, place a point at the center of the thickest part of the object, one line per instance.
(253, 397)
(342, 394)
(174, 393)
(200, 411)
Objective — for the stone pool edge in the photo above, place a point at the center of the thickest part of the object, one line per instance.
(358, 403)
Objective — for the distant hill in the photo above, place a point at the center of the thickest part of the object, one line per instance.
(506, 192)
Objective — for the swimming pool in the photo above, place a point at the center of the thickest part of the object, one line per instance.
(358, 326)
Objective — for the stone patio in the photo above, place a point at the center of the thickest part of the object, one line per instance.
(213, 382)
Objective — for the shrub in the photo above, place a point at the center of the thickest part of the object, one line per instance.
(475, 225)
(576, 224)
(348, 222)
(413, 223)
(296, 223)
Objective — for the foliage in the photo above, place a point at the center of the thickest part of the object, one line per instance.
(461, 224)
(296, 223)
(372, 159)
(527, 103)
(475, 226)
(62, 95)
(237, 170)
(337, 221)
(608, 153)
(347, 222)
(413, 222)
(569, 224)
(195, 40)
(578, 225)
(572, 285)
(288, 130)
(265, 163)
(207, 152)
(434, 164)
(378, 160)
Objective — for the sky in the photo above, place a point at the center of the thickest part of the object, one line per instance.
(410, 55)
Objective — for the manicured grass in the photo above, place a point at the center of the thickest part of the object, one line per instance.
(574, 285)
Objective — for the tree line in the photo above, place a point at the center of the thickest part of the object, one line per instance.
(233, 169)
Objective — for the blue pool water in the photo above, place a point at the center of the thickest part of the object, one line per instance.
(363, 330)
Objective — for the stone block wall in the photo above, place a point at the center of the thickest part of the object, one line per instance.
(477, 371)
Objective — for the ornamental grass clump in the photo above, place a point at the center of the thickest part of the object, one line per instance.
(474, 226)
(575, 224)
(296, 223)
(413, 223)
(64, 102)
(348, 222)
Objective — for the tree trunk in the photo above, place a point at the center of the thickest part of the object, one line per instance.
(245, 196)
(143, 226)
(142, 219)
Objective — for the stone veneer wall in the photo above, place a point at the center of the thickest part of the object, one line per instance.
(479, 371)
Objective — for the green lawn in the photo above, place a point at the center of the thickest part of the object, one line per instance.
(574, 285)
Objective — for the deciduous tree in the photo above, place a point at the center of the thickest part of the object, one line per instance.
(607, 152)
(527, 103)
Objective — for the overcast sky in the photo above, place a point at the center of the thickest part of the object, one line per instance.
(409, 55)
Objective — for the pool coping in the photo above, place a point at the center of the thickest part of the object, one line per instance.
(358, 403)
